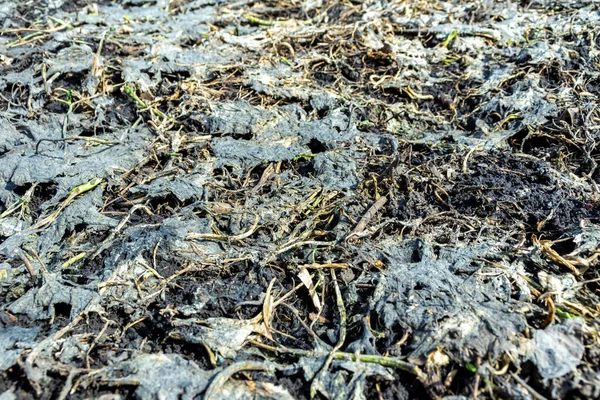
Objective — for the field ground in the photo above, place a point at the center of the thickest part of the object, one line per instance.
(293, 199)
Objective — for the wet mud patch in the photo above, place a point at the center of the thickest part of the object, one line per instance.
(518, 190)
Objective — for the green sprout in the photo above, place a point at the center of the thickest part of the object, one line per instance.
(303, 157)
(450, 38)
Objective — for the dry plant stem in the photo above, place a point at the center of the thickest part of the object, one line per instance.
(96, 66)
(369, 215)
(342, 310)
(21, 203)
(224, 375)
(301, 321)
(212, 236)
(323, 288)
(29, 267)
(392, 362)
(81, 189)
(63, 25)
(324, 266)
(66, 390)
(534, 290)
(338, 78)
(107, 322)
(73, 138)
(131, 324)
(545, 246)
(465, 164)
(165, 282)
(303, 243)
(37, 257)
(531, 391)
(268, 309)
(551, 313)
(287, 295)
(119, 227)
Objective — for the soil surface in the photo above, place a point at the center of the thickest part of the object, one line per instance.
(205, 199)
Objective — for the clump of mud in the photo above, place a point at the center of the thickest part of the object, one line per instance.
(299, 199)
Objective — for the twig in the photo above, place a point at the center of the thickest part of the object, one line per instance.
(526, 386)
(296, 313)
(369, 215)
(29, 267)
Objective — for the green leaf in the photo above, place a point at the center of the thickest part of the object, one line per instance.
(471, 367)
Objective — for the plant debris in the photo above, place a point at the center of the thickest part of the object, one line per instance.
(299, 199)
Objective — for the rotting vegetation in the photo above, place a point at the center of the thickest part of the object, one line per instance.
(295, 199)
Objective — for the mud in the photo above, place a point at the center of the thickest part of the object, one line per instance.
(299, 199)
